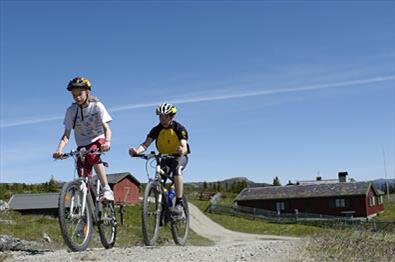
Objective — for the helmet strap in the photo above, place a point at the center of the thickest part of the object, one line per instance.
(86, 102)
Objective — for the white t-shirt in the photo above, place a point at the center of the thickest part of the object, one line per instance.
(91, 128)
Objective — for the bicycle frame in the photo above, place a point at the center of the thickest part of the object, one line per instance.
(160, 211)
(80, 207)
(159, 174)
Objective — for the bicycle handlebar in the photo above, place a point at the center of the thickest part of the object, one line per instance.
(155, 155)
(80, 153)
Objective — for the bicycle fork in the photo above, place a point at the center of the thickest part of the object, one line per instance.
(84, 191)
(76, 196)
(98, 202)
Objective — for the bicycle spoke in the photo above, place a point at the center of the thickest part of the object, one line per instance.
(107, 226)
(75, 223)
(180, 226)
(151, 214)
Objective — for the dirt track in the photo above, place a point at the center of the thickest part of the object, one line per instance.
(230, 246)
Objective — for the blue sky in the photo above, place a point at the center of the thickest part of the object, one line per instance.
(286, 88)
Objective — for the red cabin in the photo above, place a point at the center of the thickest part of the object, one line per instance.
(356, 199)
(125, 186)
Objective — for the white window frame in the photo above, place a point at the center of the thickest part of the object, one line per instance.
(380, 200)
(372, 201)
(280, 206)
(340, 203)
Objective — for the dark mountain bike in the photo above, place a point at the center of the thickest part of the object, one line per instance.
(156, 210)
(81, 206)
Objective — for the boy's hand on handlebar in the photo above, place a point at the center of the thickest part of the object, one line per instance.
(105, 147)
(57, 154)
(132, 151)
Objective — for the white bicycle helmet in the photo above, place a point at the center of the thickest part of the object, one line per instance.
(166, 109)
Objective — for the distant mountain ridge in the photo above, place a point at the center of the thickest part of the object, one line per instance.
(381, 182)
(227, 183)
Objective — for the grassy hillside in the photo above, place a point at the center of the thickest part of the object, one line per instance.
(32, 227)
(389, 209)
(350, 245)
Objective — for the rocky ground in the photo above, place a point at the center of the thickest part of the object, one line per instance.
(229, 246)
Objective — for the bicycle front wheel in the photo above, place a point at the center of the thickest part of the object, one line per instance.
(107, 224)
(75, 224)
(152, 208)
(180, 225)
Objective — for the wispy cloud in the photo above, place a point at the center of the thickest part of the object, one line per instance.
(342, 84)
(30, 121)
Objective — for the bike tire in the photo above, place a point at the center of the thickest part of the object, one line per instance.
(108, 225)
(151, 214)
(180, 234)
(65, 199)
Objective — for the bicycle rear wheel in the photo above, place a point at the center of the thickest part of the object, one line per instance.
(75, 224)
(152, 208)
(180, 225)
(107, 224)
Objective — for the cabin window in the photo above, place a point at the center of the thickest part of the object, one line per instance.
(380, 200)
(280, 206)
(341, 202)
(372, 201)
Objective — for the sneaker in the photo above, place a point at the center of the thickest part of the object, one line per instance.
(108, 194)
(177, 210)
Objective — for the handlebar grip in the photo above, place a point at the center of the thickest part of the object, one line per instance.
(63, 156)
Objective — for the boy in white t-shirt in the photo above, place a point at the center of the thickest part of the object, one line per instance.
(90, 121)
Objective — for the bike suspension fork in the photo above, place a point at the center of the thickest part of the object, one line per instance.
(98, 203)
(84, 191)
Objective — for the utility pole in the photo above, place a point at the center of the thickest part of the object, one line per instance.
(385, 172)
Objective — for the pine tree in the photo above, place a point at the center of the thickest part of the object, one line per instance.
(276, 181)
(204, 186)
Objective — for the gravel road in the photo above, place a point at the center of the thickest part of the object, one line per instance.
(229, 246)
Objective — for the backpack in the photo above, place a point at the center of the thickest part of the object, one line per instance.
(91, 99)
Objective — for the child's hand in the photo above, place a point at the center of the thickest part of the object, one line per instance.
(132, 151)
(105, 147)
(57, 154)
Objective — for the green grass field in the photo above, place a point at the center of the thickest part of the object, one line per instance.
(257, 226)
(351, 245)
(389, 209)
(32, 227)
(320, 244)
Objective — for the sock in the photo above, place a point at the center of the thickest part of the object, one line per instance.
(107, 187)
(178, 200)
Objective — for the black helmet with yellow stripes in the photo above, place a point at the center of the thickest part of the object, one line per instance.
(166, 109)
(79, 82)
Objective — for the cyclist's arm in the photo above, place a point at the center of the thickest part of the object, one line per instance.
(183, 148)
(63, 142)
(107, 135)
(107, 132)
(141, 148)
